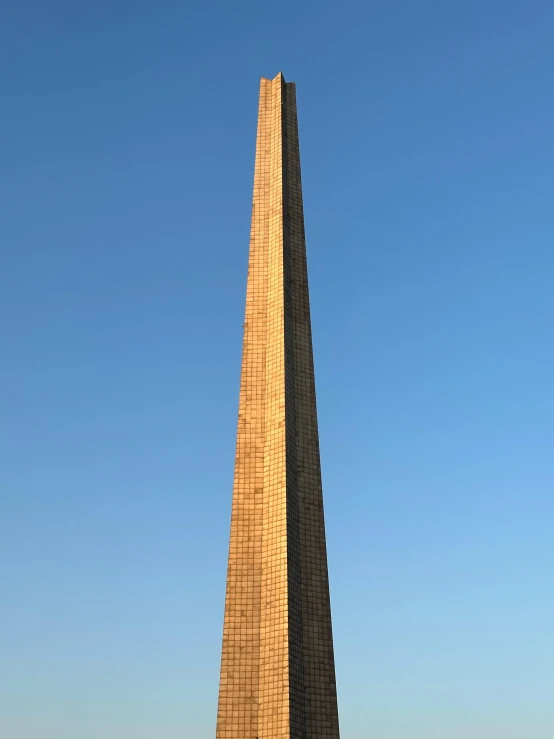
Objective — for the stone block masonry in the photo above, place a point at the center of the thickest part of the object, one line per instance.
(277, 668)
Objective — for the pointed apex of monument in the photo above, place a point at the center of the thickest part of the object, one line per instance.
(279, 77)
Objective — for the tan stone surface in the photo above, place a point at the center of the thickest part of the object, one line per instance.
(277, 668)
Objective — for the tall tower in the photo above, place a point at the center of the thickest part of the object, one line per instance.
(277, 666)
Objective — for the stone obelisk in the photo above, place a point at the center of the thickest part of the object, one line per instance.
(277, 667)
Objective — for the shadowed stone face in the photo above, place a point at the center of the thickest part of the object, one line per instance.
(277, 667)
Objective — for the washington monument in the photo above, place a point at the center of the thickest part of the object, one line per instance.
(277, 667)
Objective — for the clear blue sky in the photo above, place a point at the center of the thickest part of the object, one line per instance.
(127, 146)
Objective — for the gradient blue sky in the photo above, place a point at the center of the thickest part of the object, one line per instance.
(127, 146)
